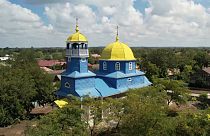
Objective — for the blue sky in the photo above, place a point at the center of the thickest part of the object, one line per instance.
(142, 23)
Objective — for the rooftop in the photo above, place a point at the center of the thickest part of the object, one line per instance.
(49, 63)
(207, 70)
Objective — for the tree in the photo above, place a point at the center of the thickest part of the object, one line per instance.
(61, 122)
(176, 91)
(145, 113)
(17, 92)
(39, 54)
(57, 55)
(192, 124)
(42, 81)
(201, 59)
(114, 108)
(93, 113)
(203, 98)
(185, 74)
(151, 70)
(23, 82)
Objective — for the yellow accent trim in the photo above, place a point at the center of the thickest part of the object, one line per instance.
(61, 103)
(117, 51)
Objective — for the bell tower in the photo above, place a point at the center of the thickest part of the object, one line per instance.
(77, 52)
(77, 80)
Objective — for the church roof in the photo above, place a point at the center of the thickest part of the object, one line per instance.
(93, 92)
(61, 103)
(119, 74)
(207, 70)
(117, 51)
(77, 36)
(103, 89)
(77, 74)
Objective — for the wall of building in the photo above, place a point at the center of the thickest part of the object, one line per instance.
(123, 82)
(124, 66)
(76, 84)
(127, 67)
(77, 64)
(130, 81)
(66, 90)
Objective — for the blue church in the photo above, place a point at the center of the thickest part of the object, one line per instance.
(117, 70)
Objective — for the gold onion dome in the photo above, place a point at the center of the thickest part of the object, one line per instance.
(117, 51)
(77, 37)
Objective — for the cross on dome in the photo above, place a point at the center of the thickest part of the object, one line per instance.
(117, 36)
(77, 37)
(77, 27)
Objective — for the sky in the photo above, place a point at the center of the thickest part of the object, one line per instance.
(142, 23)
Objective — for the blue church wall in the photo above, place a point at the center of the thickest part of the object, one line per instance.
(77, 64)
(129, 82)
(83, 65)
(71, 88)
(123, 82)
(76, 84)
(133, 70)
(124, 66)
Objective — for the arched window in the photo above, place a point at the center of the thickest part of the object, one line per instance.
(130, 66)
(104, 65)
(117, 66)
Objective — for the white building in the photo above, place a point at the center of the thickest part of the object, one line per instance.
(6, 57)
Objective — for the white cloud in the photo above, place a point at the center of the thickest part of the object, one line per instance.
(19, 27)
(62, 16)
(208, 10)
(181, 22)
(165, 23)
(100, 25)
(14, 17)
(109, 10)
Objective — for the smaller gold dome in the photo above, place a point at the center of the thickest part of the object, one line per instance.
(77, 37)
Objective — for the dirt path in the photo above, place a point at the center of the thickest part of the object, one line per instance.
(15, 130)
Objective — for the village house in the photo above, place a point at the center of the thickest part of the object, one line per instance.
(6, 57)
(201, 78)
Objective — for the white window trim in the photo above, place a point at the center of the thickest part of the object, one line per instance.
(130, 66)
(117, 66)
(104, 65)
(67, 85)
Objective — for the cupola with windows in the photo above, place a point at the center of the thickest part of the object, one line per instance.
(77, 52)
(117, 56)
(77, 44)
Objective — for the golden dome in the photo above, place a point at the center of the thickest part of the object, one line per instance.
(77, 37)
(117, 51)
